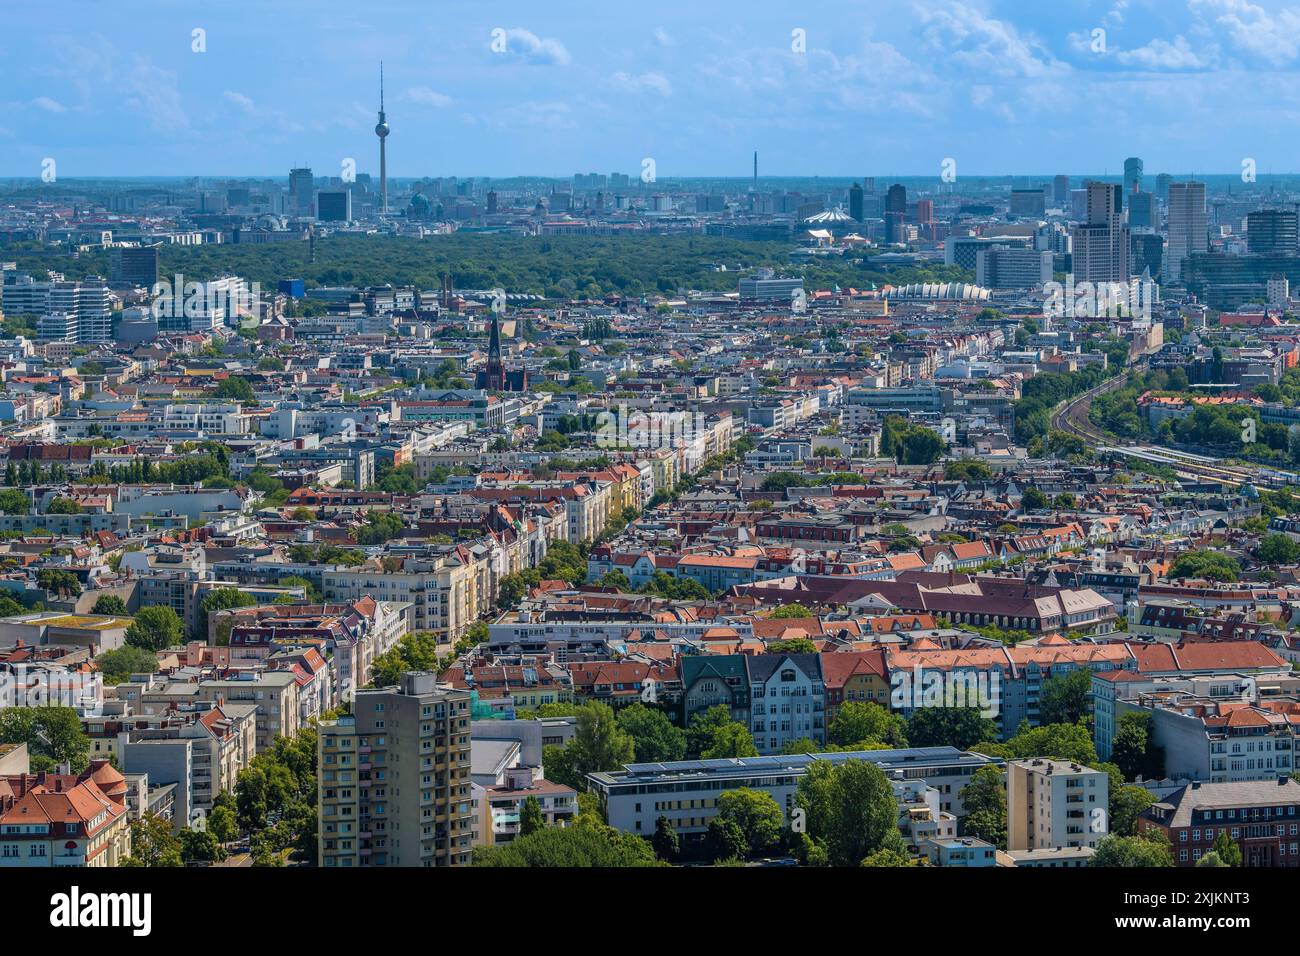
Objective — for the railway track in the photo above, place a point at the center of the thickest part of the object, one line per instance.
(1072, 418)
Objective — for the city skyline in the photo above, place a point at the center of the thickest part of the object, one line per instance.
(471, 91)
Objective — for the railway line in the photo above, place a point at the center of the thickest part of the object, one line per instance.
(1072, 418)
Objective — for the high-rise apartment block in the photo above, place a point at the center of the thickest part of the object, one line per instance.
(395, 778)
(1055, 803)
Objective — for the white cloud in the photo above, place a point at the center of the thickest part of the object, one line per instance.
(1163, 55)
(991, 47)
(640, 82)
(240, 100)
(527, 45)
(49, 105)
(662, 37)
(428, 97)
(1252, 30)
(152, 92)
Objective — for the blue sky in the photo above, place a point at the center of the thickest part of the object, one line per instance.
(886, 87)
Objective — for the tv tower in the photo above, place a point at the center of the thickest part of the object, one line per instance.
(381, 130)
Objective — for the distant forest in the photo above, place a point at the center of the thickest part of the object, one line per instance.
(557, 267)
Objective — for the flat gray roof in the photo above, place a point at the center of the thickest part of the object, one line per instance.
(789, 763)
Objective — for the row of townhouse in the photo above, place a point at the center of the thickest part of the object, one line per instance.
(768, 692)
(781, 698)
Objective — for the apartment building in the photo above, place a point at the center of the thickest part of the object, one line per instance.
(787, 700)
(276, 694)
(395, 787)
(1260, 816)
(446, 592)
(1055, 803)
(503, 780)
(54, 819)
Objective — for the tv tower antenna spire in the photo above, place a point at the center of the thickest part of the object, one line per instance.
(381, 130)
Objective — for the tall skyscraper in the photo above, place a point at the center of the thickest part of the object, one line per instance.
(855, 202)
(1061, 191)
(300, 192)
(896, 198)
(1143, 211)
(925, 211)
(381, 130)
(395, 778)
(895, 212)
(1187, 227)
(1132, 175)
(1162, 185)
(1272, 232)
(1101, 241)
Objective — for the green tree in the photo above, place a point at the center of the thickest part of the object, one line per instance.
(585, 844)
(724, 840)
(1278, 549)
(598, 744)
(1211, 859)
(1228, 850)
(1033, 500)
(796, 645)
(1131, 747)
(665, 842)
(1134, 851)
(59, 582)
(531, 818)
(1055, 741)
(960, 727)
(703, 727)
(850, 809)
(53, 735)
(756, 813)
(222, 825)
(730, 740)
(417, 651)
(155, 628)
(967, 469)
(220, 599)
(1125, 808)
(14, 502)
(1064, 699)
(890, 857)
(153, 843)
(653, 734)
(1210, 565)
(120, 663)
(200, 846)
(235, 389)
(985, 800)
(866, 722)
(786, 611)
(109, 604)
